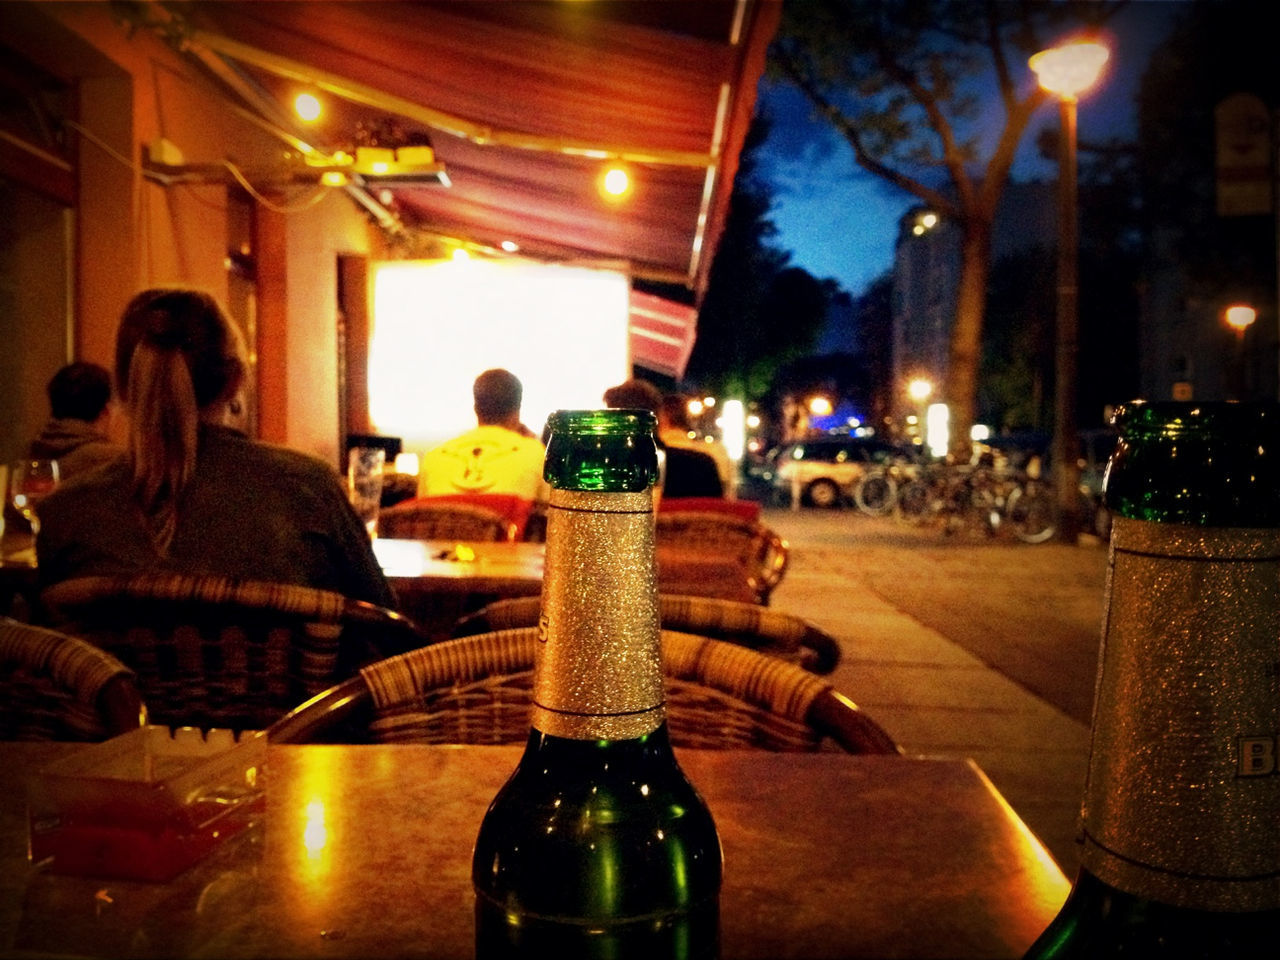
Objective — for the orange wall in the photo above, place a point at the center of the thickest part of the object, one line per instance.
(314, 241)
(132, 232)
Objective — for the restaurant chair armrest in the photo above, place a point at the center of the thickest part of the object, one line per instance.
(121, 704)
(774, 557)
(849, 725)
(390, 631)
(819, 651)
(315, 720)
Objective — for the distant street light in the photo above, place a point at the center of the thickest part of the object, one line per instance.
(1067, 71)
(820, 406)
(1239, 317)
(919, 389)
(925, 222)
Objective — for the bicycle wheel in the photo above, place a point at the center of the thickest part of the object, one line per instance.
(875, 494)
(914, 500)
(1031, 513)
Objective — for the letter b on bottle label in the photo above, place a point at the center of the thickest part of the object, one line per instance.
(1257, 756)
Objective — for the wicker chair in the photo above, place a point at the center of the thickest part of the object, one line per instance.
(216, 652)
(443, 518)
(769, 631)
(762, 554)
(477, 690)
(58, 687)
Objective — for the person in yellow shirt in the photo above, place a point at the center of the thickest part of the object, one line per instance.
(499, 455)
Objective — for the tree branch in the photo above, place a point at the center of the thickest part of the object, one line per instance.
(998, 58)
(849, 130)
(951, 154)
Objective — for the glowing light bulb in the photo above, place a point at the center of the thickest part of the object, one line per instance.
(616, 183)
(307, 107)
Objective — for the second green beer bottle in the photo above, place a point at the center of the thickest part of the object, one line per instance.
(598, 846)
(1181, 813)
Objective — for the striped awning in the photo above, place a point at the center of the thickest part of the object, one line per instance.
(662, 333)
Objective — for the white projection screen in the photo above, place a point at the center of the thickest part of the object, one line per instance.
(438, 323)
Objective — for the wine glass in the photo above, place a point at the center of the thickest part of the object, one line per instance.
(364, 483)
(30, 481)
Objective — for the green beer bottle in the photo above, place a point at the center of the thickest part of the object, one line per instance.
(1181, 812)
(598, 846)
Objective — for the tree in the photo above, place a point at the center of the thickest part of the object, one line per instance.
(903, 82)
(1017, 342)
(758, 312)
(874, 345)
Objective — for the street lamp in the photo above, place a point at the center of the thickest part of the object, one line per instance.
(820, 406)
(1239, 317)
(1067, 71)
(925, 222)
(919, 390)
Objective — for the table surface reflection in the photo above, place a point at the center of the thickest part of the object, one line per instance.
(448, 565)
(364, 851)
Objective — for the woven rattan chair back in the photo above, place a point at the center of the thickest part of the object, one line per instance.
(58, 687)
(763, 554)
(752, 625)
(430, 520)
(217, 652)
(477, 690)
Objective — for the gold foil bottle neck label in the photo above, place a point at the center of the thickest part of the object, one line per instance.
(598, 673)
(1182, 803)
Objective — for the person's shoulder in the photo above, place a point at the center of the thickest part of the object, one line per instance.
(284, 462)
(690, 454)
(465, 437)
(97, 481)
(296, 462)
(525, 442)
(512, 438)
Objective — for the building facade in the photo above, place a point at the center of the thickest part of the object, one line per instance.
(926, 275)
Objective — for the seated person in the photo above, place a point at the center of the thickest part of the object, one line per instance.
(687, 472)
(674, 428)
(194, 495)
(76, 434)
(497, 456)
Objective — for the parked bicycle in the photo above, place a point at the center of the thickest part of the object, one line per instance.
(978, 500)
(875, 493)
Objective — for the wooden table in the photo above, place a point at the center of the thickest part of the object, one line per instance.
(438, 581)
(435, 585)
(364, 851)
(448, 566)
(17, 573)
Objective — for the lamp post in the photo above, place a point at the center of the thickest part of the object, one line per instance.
(1067, 70)
(1239, 317)
(919, 390)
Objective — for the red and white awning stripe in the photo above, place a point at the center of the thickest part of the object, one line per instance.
(662, 333)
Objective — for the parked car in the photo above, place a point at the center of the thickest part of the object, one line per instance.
(825, 469)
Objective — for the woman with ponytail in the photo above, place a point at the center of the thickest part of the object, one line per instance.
(194, 494)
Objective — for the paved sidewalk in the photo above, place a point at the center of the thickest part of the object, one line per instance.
(879, 588)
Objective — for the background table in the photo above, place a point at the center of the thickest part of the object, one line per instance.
(434, 586)
(364, 851)
(17, 573)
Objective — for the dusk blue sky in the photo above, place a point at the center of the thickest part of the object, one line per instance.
(840, 221)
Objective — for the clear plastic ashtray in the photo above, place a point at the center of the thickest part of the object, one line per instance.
(147, 804)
